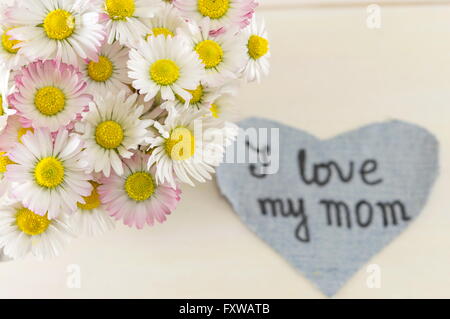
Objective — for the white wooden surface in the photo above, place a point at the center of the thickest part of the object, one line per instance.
(330, 74)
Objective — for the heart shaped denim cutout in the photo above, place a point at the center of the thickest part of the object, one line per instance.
(328, 206)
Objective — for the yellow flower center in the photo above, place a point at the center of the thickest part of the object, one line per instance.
(92, 201)
(102, 70)
(1, 106)
(197, 95)
(158, 31)
(109, 134)
(215, 9)
(9, 44)
(181, 144)
(49, 172)
(120, 9)
(59, 24)
(140, 186)
(215, 111)
(49, 100)
(257, 47)
(4, 161)
(210, 52)
(30, 223)
(164, 72)
(22, 131)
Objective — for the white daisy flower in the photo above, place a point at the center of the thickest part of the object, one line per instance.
(5, 90)
(148, 106)
(50, 94)
(201, 98)
(48, 176)
(90, 218)
(9, 55)
(22, 231)
(164, 65)
(110, 72)
(64, 30)
(258, 53)
(4, 162)
(222, 55)
(222, 107)
(126, 20)
(4, 184)
(167, 22)
(188, 148)
(222, 102)
(111, 129)
(223, 13)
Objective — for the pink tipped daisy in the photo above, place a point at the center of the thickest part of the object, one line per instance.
(13, 133)
(48, 176)
(56, 29)
(5, 90)
(110, 72)
(50, 94)
(135, 197)
(223, 13)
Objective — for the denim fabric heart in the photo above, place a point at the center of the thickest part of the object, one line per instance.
(328, 206)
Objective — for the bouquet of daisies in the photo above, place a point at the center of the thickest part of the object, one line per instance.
(109, 106)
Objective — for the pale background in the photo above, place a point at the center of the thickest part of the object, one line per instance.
(330, 73)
